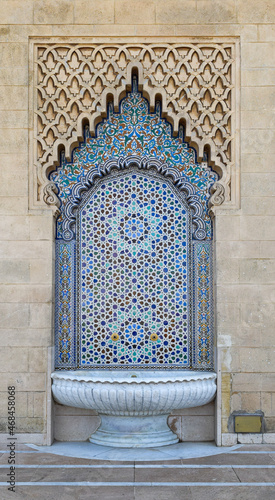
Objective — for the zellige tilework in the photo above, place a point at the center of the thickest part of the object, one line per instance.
(132, 289)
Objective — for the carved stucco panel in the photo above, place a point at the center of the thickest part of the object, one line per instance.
(196, 83)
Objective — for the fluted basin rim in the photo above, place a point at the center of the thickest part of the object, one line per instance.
(133, 376)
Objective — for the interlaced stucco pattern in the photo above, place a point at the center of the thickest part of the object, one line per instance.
(194, 81)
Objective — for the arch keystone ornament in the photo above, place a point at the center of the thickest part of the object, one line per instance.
(195, 80)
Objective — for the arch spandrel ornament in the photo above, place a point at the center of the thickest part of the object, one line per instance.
(196, 83)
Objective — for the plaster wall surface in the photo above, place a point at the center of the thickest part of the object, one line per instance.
(245, 236)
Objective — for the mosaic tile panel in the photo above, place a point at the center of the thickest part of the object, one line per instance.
(107, 318)
(202, 305)
(64, 305)
(134, 131)
(133, 248)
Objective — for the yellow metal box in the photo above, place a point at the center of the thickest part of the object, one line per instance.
(248, 423)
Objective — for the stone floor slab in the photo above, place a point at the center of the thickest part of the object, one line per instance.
(186, 475)
(256, 475)
(163, 493)
(68, 493)
(76, 475)
(233, 493)
(234, 459)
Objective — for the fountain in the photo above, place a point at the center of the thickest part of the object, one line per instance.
(134, 305)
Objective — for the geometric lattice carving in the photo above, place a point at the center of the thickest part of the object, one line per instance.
(195, 82)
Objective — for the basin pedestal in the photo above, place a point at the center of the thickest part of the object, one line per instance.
(134, 432)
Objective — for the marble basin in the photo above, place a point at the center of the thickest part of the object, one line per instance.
(133, 404)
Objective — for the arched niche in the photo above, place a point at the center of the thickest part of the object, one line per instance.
(135, 142)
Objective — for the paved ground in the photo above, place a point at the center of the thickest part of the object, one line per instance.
(244, 474)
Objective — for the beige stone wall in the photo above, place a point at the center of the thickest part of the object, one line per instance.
(245, 247)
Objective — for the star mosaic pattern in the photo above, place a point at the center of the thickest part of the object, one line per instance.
(134, 286)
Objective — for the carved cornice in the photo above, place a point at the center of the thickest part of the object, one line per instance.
(73, 84)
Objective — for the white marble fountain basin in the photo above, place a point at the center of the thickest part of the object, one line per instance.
(133, 404)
